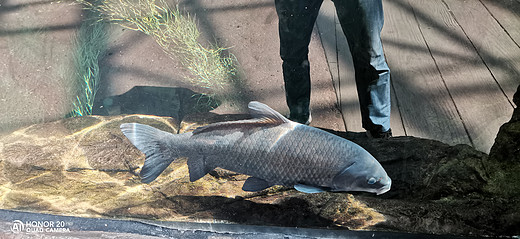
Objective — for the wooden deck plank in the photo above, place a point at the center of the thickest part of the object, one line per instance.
(470, 84)
(507, 13)
(396, 122)
(327, 31)
(347, 84)
(497, 49)
(341, 65)
(425, 105)
(326, 23)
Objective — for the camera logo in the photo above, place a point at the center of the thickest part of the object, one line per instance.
(18, 226)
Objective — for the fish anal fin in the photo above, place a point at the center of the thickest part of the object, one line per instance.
(253, 184)
(308, 189)
(197, 167)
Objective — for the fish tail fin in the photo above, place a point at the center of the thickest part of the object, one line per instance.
(157, 146)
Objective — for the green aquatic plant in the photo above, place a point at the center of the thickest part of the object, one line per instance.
(177, 34)
(90, 44)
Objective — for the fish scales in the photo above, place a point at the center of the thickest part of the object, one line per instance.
(274, 154)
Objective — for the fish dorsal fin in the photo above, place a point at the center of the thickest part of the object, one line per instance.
(262, 115)
(262, 112)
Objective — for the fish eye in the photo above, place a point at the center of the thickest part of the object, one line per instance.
(372, 181)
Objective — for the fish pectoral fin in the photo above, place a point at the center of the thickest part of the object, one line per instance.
(197, 168)
(253, 184)
(308, 189)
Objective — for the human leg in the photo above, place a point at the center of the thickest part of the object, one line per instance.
(296, 20)
(362, 22)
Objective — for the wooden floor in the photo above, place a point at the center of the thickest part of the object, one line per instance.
(455, 66)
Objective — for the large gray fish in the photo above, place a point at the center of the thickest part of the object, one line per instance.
(270, 148)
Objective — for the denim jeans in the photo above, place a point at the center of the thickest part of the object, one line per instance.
(362, 22)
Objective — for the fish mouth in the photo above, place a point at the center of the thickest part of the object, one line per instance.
(384, 189)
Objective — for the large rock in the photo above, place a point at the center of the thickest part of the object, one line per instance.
(507, 143)
(505, 155)
(86, 167)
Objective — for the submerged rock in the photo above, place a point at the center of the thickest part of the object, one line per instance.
(86, 167)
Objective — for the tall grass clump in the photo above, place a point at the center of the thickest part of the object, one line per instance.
(91, 41)
(177, 33)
